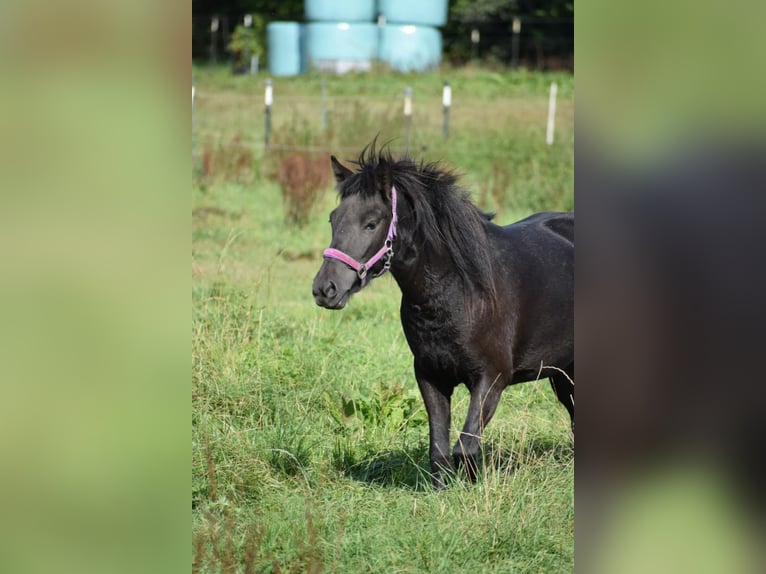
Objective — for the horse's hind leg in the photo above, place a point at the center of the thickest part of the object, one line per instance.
(563, 386)
(484, 398)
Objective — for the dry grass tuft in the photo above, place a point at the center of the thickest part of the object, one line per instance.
(303, 178)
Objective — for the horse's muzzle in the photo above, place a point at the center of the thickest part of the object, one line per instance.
(327, 295)
(334, 284)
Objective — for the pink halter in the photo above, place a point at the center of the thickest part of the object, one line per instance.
(385, 251)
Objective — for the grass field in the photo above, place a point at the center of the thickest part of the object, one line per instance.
(309, 437)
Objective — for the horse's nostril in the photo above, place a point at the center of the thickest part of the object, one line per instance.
(331, 289)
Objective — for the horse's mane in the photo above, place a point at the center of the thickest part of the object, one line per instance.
(445, 218)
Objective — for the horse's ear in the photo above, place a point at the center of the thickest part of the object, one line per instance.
(383, 177)
(341, 171)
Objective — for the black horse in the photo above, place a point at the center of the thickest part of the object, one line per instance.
(483, 305)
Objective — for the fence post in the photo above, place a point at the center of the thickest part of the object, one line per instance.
(192, 124)
(214, 23)
(324, 105)
(446, 104)
(551, 113)
(516, 28)
(269, 98)
(407, 115)
(475, 37)
(247, 61)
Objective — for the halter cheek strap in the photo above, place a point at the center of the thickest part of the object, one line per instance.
(386, 252)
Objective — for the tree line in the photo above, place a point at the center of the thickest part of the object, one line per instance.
(546, 37)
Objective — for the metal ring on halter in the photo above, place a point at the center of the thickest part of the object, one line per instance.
(362, 272)
(387, 260)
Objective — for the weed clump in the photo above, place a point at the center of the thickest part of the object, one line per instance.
(303, 177)
(230, 160)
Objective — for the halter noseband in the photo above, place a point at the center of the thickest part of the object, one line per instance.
(385, 251)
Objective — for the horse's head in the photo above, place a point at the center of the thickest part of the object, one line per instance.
(363, 227)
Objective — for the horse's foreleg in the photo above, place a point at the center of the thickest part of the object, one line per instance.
(485, 394)
(437, 403)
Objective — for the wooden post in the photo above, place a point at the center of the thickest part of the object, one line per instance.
(214, 24)
(551, 114)
(408, 114)
(192, 123)
(475, 37)
(268, 98)
(446, 104)
(515, 43)
(324, 105)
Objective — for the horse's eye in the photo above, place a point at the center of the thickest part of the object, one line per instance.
(371, 225)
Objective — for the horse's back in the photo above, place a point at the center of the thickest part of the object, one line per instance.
(538, 240)
(558, 223)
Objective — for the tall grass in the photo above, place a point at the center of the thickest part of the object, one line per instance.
(309, 437)
(497, 121)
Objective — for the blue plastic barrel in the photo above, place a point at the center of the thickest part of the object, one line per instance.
(425, 12)
(284, 48)
(409, 48)
(341, 46)
(340, 10)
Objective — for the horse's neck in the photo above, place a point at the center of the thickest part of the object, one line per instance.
(425, 274)
(426, 283)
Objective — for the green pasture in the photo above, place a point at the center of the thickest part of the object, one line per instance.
(309, 437)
